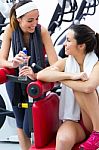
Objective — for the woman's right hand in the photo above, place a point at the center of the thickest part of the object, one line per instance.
(18, 59)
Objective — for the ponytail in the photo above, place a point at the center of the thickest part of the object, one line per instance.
(13, 20)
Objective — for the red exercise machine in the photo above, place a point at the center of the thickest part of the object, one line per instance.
(45, 114)
(45, 111)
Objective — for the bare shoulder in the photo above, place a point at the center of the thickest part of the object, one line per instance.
(60, 64)
(8, 31)
(44, 31)
(95, 72)
(6, 41)
(94, 76)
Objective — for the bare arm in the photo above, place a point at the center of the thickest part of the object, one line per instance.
(87, 86)
(52, 73)
(56, 73)
(52, 56)
(5, 48)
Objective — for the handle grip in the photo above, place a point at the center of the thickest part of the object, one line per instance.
(38, 88)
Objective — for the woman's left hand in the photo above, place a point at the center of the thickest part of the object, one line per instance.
(27, 71)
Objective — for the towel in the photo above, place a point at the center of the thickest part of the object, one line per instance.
(69, 108)
(37, 52)
(35, 48)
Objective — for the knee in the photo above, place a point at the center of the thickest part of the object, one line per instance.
(65, 140)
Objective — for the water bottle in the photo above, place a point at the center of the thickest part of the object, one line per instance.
(25, 63)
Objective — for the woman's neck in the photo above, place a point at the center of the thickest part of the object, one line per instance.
(80, 61)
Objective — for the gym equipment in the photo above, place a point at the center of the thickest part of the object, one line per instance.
(45, 112)
(44, 109)
(56, 21)
(7, 120)
(86, 8)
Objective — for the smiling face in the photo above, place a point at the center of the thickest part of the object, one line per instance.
(29, 21)
(71, 46)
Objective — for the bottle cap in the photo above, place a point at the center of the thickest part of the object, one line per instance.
(25, 50)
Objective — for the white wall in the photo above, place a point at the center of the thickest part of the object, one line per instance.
(92, 21)
(46, 9)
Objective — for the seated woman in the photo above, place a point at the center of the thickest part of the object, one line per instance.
(79, 101)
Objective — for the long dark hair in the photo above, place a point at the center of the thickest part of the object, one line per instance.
(85, 35)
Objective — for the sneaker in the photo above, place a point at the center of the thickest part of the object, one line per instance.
(92, 143)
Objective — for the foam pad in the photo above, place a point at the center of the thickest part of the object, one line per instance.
(45, 120)
(3, 74)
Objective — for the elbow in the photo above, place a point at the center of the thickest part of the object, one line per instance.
(41, 77)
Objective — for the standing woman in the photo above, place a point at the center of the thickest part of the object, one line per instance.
(79, 101)
(24, 31)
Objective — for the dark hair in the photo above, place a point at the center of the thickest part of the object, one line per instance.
(13, 19)
(85, 35)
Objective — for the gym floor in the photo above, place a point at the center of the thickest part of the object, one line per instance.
(9, 146)
(12, 145)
